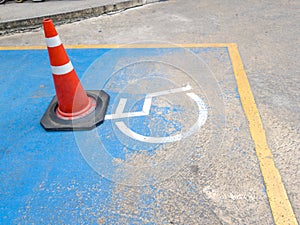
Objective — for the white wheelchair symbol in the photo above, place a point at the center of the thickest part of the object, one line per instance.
(119, 113)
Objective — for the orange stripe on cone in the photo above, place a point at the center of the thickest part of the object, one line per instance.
(73, 101)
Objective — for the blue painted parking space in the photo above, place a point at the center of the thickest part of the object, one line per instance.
(160, 106)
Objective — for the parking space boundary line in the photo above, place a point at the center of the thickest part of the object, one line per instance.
(112, 46)
(281, 208)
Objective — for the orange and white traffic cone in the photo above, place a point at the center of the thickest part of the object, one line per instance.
(72, 107)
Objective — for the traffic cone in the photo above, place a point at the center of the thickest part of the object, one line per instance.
(72, 107)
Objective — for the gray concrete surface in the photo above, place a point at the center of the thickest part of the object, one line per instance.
(267, 33)
(17, 17)
(14, 11)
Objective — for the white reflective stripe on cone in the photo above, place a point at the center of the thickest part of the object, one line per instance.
(61, 70)
(53, 41)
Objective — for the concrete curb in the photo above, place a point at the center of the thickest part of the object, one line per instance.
(68, 17)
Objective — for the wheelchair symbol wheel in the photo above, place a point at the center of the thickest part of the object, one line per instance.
(202, 116)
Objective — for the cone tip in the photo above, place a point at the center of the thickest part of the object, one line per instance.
(47, 20)
(49, 28)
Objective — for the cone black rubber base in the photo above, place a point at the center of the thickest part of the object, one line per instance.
(51, 122)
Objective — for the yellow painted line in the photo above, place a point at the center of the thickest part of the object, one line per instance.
(205, 45)
(21, 47)
(167, 45)
(280, 205)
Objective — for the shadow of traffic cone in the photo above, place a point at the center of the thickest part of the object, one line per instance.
(72, 108)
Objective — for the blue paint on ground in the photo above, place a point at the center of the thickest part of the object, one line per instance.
(42, 174)
(44, 177)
